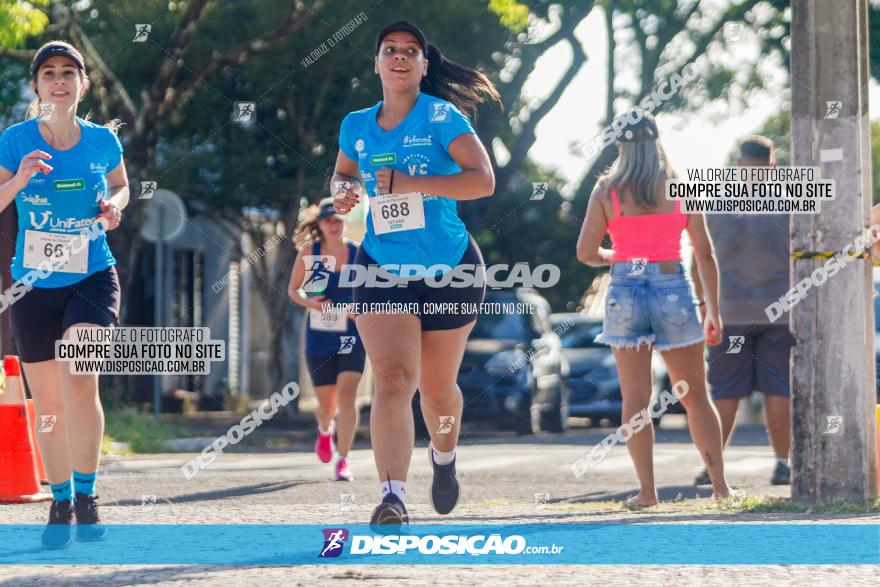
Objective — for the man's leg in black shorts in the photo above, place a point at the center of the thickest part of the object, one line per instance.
(731, 373)
(772, 354)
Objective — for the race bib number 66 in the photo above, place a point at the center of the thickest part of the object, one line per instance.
(397, 212)
(61, 250)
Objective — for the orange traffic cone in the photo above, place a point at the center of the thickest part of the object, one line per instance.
(19, 481)
(38, 458)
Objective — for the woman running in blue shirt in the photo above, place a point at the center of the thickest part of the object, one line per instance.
(68, 181)
(415, 155)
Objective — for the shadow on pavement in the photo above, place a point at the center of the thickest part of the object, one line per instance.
(223, 493)
(141, 576)
(644, 517)
(670, 493)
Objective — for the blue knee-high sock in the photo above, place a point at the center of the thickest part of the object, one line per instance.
(62, 491)
(84, 483)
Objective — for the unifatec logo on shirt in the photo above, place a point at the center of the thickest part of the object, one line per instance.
(44, 218)
(69, 185)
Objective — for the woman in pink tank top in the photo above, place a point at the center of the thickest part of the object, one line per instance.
(649, 305)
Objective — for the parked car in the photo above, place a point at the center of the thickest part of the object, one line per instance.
(512, 370)
(593, 378)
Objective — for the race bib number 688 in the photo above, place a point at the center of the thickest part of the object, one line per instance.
(397, 212)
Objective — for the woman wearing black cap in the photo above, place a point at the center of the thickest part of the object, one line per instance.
(68, 180)
(415, 155)
(649, 305)
(334, 351)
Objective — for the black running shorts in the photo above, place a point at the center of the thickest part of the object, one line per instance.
(443, 307)
(43, 314)
(325, 369)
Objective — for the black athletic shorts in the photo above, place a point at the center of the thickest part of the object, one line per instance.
(443, 307)
(43, 314)
(324, 369)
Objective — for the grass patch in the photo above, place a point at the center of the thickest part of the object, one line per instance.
(756, 505)
(137, 429)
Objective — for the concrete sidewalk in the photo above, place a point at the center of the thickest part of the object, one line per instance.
(500, 477)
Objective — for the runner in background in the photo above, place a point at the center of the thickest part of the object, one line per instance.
(417, 155)
(68, 179)
(752, 251)
(334, 351)
(649, 305)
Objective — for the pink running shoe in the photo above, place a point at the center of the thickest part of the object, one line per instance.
(342, 472)
(324, 445)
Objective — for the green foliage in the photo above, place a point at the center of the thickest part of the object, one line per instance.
(20, 20)
(512, 14)
(137, 429)
(772, 505)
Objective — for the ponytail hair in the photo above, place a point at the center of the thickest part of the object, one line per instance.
(465, 87)
(307, 230)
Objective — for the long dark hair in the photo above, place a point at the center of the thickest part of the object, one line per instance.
(464, 86)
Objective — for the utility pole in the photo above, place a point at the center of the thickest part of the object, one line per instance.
(834, 454)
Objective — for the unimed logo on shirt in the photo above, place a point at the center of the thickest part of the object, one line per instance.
(386, 159)
(69, 185)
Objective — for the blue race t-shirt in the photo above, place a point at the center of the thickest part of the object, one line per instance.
(417, 146)
(65, 202)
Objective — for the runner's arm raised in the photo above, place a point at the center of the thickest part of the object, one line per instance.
(297, 276)
(346, 170)
(117, 184)
(475, 180)
(12, 183)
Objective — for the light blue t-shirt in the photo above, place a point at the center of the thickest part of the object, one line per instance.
(417, 146)
(67, 200)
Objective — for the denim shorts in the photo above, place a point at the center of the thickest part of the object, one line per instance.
(645, 306)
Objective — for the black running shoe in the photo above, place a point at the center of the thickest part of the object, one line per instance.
(88, 522)
(390, 511)
(57, 532)
(703, 478)
(444, 488)
(781, 474)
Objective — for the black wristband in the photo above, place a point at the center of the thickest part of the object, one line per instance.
(391, 183)
(701, 303)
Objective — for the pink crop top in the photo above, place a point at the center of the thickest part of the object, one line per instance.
(656, 237)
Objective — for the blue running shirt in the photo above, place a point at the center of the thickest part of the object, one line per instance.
(65, 201)
(417, 146)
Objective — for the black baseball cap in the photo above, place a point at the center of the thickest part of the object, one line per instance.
(405, 26)
(328, 211)
(644, 129)
(57, 48)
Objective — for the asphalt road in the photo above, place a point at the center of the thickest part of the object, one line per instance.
(505, 479)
